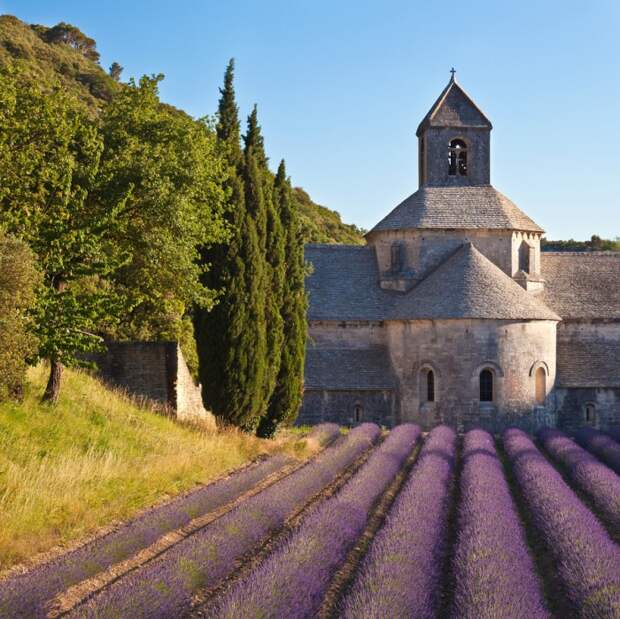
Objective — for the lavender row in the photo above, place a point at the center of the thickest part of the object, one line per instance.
(494, 574)
(601, 445)
(596, 480)
(586, 559)
(164, 587)
(401, 574)
(324, 433)
(293, 580)
(26, 594)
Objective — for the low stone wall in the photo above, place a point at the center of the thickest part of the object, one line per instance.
(342, 406)
(156, 371)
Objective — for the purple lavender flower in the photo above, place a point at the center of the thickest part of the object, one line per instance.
(494, 573)
(324, 433)
(24, 595)
(586, 559)
(596, 480)
(293, 579)
(601, 445)
(164, 587)
(401, 573)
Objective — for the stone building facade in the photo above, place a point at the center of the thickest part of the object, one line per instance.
(451, 313)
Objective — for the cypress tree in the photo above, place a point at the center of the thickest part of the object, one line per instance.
(260, 201)
(286, 397)
(231, 338)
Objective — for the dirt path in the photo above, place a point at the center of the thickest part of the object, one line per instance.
(344, 576)
(203, 599)
(79, 593)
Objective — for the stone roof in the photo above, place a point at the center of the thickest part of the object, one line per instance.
(344, 369)
(457, 208)
(454, 108)
(582, 285)
(588, 362)
(344, 284)
(469, 285)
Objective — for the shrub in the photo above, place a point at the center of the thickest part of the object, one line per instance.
(18, 279)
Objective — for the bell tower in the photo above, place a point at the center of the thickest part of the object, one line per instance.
(454, 141)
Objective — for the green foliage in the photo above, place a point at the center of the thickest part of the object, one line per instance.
(69, 35)
(162, 166)
(50, 157)
(596, 243)
(286, 397)
(115, 71)
(24, 47)
(19, 278)
(322, 225)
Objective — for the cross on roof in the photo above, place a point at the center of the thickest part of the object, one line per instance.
(453, 71)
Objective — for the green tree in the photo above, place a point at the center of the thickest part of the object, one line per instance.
(164, 167)
(286, 398)
(231, 337)
(50, 154)
(19, 279)
(115, 71)
(69, 35)
(260, 203)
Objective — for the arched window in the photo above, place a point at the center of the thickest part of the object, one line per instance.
(590, 413)
(486, 386)
(457, 158)
(357, 413)
(430, 386)
(541, 385)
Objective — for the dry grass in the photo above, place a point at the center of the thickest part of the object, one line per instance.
(98, 457)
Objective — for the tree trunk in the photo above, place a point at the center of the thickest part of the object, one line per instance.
(53, 384)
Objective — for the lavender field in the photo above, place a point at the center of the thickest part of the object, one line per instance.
(378, 524)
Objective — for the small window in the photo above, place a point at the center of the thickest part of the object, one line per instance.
(457, 158)
(486, 386)
(430, 386)
(541, 386)
(524, 257)
(357, 413)
(589, 413)
(396, 257)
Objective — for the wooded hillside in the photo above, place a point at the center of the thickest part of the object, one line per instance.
(75, 67)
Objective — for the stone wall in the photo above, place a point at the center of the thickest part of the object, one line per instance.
(156, 371)
(571, 407)
(339, 407)
(457, 351)
(434, 168)
(346, 334)
(424, 250)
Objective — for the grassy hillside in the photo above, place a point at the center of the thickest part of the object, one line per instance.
(49, 63)
(95, 458)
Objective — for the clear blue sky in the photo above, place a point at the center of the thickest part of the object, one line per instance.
(342, 85)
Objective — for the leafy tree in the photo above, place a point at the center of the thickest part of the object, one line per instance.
(115, 71)
(164, 168)
(287, 395)
(72, 36)
(50, 156)
(19, 278)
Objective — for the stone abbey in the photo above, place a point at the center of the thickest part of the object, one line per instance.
(451, 313)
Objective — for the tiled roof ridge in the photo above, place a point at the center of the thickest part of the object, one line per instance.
(603, 252)
(337, 245)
